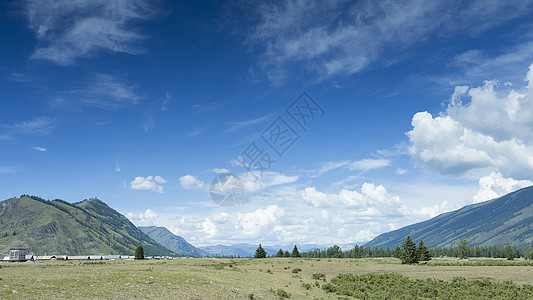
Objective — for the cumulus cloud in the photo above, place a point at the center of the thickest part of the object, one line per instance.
(254, 224)
(146, 218)
(190, 182)
(490, 132)
(290, 214)
(67, 30)
(427, 212)
(495, 185)
(371, 200)
(209, 228)
(149, 183)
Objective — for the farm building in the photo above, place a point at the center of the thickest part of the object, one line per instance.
(17, 254)
(71, 257)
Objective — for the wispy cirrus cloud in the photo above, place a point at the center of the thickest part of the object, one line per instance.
(337, 38)
(362, 165)
(233, 126)
(107, 92)
(67, 30)
(36, 126)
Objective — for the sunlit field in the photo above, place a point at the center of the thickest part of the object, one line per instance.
(203, 278)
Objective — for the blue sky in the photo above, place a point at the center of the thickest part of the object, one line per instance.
(426, 107)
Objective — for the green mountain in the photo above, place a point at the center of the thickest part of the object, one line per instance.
(58, 227)
(173, 242)
(497, 222)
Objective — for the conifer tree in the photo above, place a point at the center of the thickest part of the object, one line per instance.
(280, 253)
(423, 252)
(295, 252)
(463, 249)
(139, 252)
(260, 252)
(408, 253)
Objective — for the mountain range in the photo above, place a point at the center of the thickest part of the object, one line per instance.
(173, 242)
(58, 227)
(91, 227)
(497, 222)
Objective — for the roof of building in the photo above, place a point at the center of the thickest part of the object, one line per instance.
(17, 248)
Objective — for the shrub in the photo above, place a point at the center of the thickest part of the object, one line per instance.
(318, 276)
(296, 270)
(283, 294)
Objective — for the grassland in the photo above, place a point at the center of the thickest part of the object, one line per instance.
(225, 278)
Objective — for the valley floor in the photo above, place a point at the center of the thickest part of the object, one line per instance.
(203, 278)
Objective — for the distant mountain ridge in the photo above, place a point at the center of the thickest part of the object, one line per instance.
(59, 227)
(171, 241)
(498, 222)
(246, 250)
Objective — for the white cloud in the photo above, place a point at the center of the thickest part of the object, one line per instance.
(341, 38)
(35, 126)
(190, 182)
(67, 30)
(255, 184)
(254, 224)
(40, 149)
(490, 132)
(242, 124)
(401, 171)
(495, 185)
(372, 199)
(427, 212)
(144, 219)
(369, 164)
(363, 165)
(107, 92)
(220, 170)
(289, 214)
(209, 228)
(149, 183)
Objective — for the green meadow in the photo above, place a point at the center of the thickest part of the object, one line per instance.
(272, 278)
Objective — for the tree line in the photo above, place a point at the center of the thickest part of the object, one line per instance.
(414, 252)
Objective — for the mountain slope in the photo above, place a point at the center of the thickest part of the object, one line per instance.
(171, 241)
(498, 222)
(59, 227)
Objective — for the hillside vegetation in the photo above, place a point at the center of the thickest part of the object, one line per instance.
(58, 227)
(507, 220)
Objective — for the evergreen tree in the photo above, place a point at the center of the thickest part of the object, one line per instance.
(423, 252)
(408, 253)
(280, 253)
(139, 252)
(260, 252)
(286, 254)
(295, 252)
(463, 249)
(509, 253)
(397, 252)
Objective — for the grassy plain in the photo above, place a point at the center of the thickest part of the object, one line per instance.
(204, 278)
